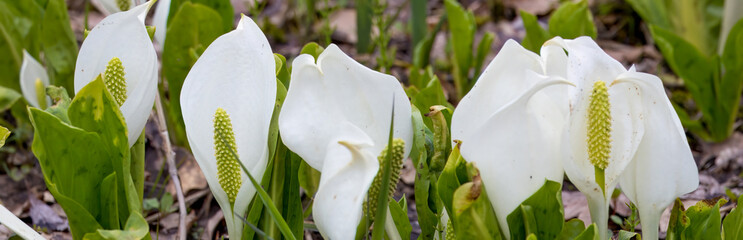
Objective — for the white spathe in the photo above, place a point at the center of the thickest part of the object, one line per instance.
(123, 35)
(31, 70)
(649, 152)
(336, 116)
(510, 125)
(108, 7)
(237, 73)
(160, 20)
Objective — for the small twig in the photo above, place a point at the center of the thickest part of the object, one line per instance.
(172, 170)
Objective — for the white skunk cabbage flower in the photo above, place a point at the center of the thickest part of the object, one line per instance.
(336, 116)
(34, 80)
(120, 49)
(510, 125)
(228, 97)
(622, 128)
(108, 7)
(160, 20)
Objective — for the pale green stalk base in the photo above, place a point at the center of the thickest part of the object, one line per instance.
(600, 215)
(649, 221)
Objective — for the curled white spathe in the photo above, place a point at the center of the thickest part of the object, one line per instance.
(123, 35)
(510, 113)
(236, 73)
(336, 116)
(31, 70)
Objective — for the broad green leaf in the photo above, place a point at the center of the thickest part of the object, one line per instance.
(364, 13)
(699, 73)
(572, 20)
(418, 25)
(8, 97)
(704, 220)
(652, 11)
(109, 202)
(625, 235)
(222, 7)
(483, 49)
(732, 225)
(75, 184)
(732, 78)
(591, 233)
(678, 222)
(93, 109)
(136, 228)
(540, 214)
(431, 95)
(4, 133)
(535, 34)
(453, 176)
(309, 178)
(462, 32)
(190, 31)
(399, 213)
(427, 201)
(59, 44)
(571, 229)
(473, 216)
(312, 49)
(11, 47)
(283, 72)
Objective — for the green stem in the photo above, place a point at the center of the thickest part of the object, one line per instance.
(599, 208)
(137, 163)
(600, 179)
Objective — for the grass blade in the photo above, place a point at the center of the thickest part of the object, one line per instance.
(380, 217)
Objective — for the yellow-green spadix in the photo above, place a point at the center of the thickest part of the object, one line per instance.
(120, 49)
(336, 116)
(227, 101)
(623, 128)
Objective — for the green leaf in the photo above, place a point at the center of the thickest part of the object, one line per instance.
(4, 133)
(189, 32)
(462, 32)
(59, 44)
(535, 34)
(700, 75)
(222, 7)
(418, 25)
(482, 51)
(540, 214)
(380, 215)
(283, 72)
(309, 178)
(8, 97)
(473, 215)
(11, 45)
(625, 235)
(94, 110)
(571, 229)
(591, 233)
(732, 225)
(399, 213)
(572, 20)
(704, 220)
(136, 228)
(678, 221)
(364, 13)
(453, 176)
(109, 202)
(652, 11)
(313, 49)
(74, 184)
